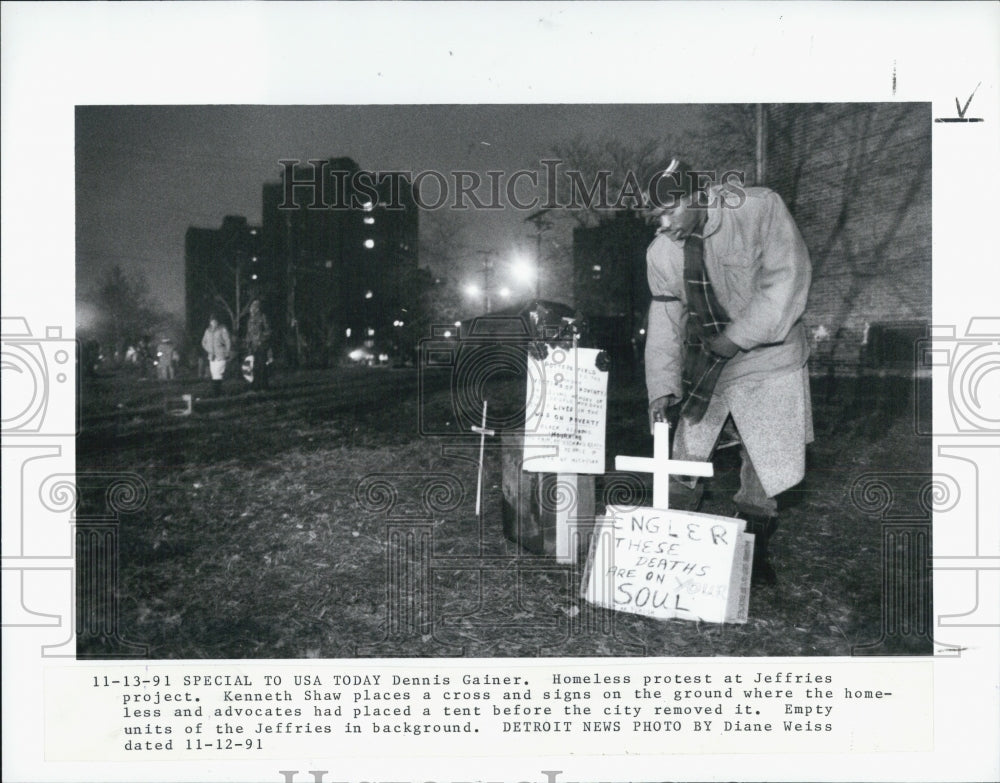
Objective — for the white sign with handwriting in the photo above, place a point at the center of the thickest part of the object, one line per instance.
(670, 564)
(566, 412)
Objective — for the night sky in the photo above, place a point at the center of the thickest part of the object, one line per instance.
(144, 174)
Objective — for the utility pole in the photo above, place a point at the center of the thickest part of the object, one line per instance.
(239, 281)
(541, 226)
(761, 144)
(293, 322)
(487, 273)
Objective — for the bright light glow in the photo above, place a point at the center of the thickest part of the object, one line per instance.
(347, 332)
(86, 315)
(447, 332)
(642, 331)
(368, 294)
(358, 354)
(458, 323)
(523, 270)
(369, 220)
(253, 277)
(369, 243)
(368, 206)
(371, 332)
(597, 267)
(504, 292)
(383, 357)
(472, 289)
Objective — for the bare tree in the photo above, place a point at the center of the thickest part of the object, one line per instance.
(125, 308)
(594, 173)
(236, 301)
(598, 176)
(444, 253)
(857, 170)
(726, 140)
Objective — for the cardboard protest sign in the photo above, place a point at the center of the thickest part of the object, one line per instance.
(670, 564)
(566, 412)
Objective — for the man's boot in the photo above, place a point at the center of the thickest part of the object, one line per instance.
(762, 528)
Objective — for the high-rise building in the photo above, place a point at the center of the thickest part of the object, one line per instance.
(224, 270)
(609, 281)
(344, 246)
(334, 263)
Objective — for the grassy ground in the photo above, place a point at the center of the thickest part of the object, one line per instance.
(316, 521)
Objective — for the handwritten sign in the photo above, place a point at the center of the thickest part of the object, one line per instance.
(566, 412)
(670, 564)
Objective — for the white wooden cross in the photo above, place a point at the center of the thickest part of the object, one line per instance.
(661, 466)
(483, 432)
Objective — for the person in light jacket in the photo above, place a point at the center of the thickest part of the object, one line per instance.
(729, 276)
(217, 346)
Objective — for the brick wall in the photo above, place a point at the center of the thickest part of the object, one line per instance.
(857, 178)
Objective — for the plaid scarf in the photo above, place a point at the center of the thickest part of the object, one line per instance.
(706, 318)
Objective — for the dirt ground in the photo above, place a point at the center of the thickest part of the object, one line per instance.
(333, 517)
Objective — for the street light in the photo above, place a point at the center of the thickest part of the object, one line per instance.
(523, 270)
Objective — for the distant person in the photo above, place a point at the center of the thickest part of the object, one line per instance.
(147, 358)
(258, 339)
(166, 355)
(217, 346)
(90, 358)
(729, 275)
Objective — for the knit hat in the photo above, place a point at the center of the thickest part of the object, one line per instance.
(664, 184)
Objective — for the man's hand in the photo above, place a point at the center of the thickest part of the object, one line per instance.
(658, 409)
(721, 345)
